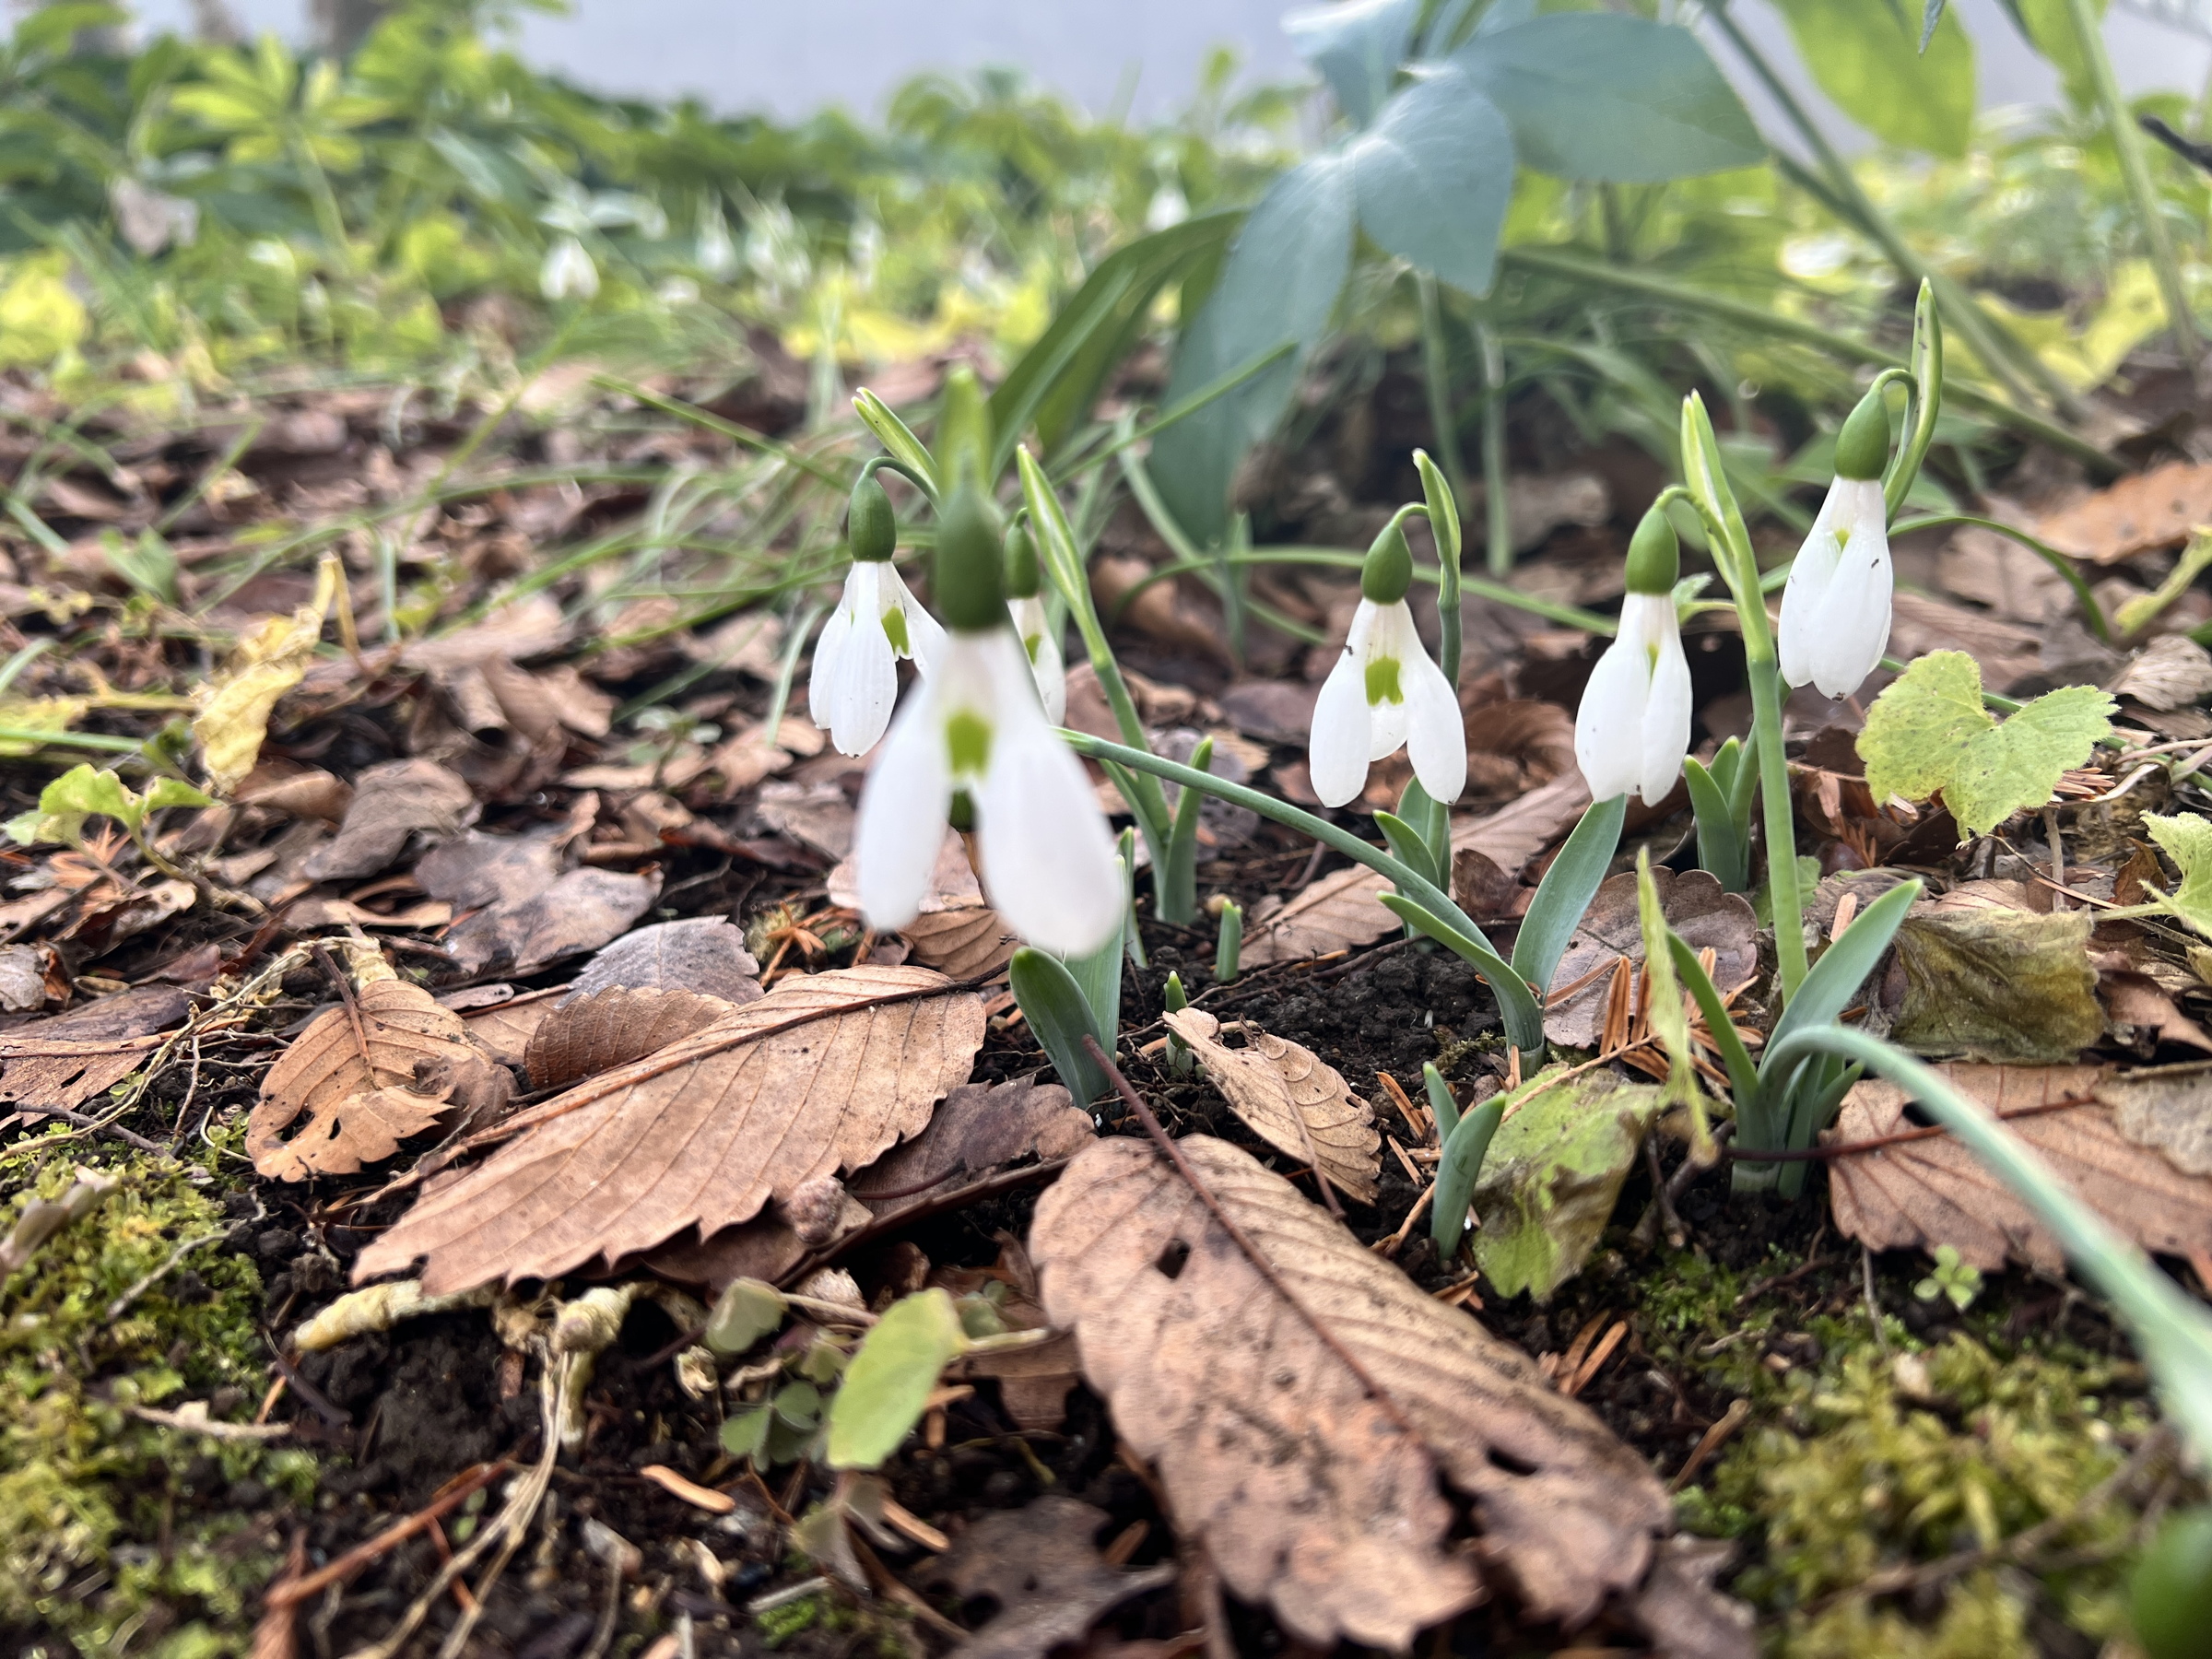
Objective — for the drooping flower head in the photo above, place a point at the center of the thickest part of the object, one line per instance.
(974, 725)
(877, 621)
(1835, 611)
(1032, 623)
(1385, 691)
(1632, 730)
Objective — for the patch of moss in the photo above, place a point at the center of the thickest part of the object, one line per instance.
(779, 1625)
(115, 1532)
(1870, 1462)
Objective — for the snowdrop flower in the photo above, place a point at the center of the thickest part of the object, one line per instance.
(1033, 625)
(974, 726)
(1835, 611)
(568, 273)
(1384, 692)
(1633, 728)
(855, 678)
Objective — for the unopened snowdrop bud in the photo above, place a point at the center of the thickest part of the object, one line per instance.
(855, 677)
(975, 726)
(1385, 691)
(1835, 611)
(568, 272)
(1633, 728)
(1032, 623)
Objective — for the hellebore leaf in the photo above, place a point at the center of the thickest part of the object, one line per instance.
(890, 1378)
(1874, 63)
(1433, 177)
(1927, 733)
(1549, 1181)
(1356, 47)
(2187, 839)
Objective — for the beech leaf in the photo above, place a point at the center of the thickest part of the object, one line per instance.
(586, 1035)
(1041, 1564)
(1928, 734)
(824, 1073)
(1290, 1097)
(1303, 1489)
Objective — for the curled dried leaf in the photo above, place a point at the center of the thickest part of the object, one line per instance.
(591, 1034)
(1291, 1099)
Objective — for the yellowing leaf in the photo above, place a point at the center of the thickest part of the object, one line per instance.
(270, 660)
(890, 1380)
(2187, 839)
(1928, 734)
(40, 318)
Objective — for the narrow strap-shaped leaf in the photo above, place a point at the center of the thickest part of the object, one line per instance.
(1407, 843)
(1814, 1094)
(1054, 1006)
(1456, 1172)
(1432, 820)
(1099, 975)
(1721, 850)
(1179, 871)
(1442, 1101)
(896, 436)
(1566, 890)
(1835, 979)
(1743, 1075)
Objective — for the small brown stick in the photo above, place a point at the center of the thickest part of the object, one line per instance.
(2058, 856)
(98, 1126)
(1398, 1098)
(1390, 1246)
(1739, 1410)
(1599, 1356)
(121, 1305)
(353, 1008)
(457, 1493)
(1266, 1268)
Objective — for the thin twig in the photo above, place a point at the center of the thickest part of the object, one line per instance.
(1266, 1268)
(98, 1126)
(353, 1008)
(291, 1592)
(121, 1305)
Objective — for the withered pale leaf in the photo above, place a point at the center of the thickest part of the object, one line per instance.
(2169, 1107)
(582, 910)
(825, 1072)
(979, 1128)
(1997, 985)
(969, 943)
(64, 1061)
(1933, 1191)
(706, 954)
(1041, 1564)
(587, 1035)
(418, 1058)
(505, 1028)
(1705, 916)
(1303, 1490)
(1274, 1084)
(2150, 509)
(391, 803)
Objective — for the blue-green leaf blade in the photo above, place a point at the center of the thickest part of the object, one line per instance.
(1567, 888)
(1433, 177)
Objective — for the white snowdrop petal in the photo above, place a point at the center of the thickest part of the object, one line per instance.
(1336, 753)
(901, 824)
(1609, 728)
(925, 633)
(1436, 737)
(1048, 668)
(1855, 621)
(1665, 735)
(1805, 597)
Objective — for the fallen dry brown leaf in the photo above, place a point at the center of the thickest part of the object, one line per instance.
(706, 954)
(2150, 509)
(2169, 1107)
(1930, 1191)
(1303, 1487)
(503, 1029)
(979, 1128)
(1041, 1564)
(392, 803)
(1291, 1099)
(1341, 911)
(1706, 917)
(580, 911)
(59, 1064)
(826, 1072)
(366, 1087)
(587, 1035)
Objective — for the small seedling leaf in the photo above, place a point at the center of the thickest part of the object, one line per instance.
(890, 1380)
(746, 1312)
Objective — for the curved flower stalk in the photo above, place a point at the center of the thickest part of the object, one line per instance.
(1034, 624)
(1385, 693)
(855, 677)
(1632, 731)
(1835, 611)
(974, 727)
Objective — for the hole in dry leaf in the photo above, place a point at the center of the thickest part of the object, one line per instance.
(1509, 1462)
(1173, 1257)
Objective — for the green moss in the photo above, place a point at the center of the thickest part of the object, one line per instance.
(779, 1625)
(112, 1530)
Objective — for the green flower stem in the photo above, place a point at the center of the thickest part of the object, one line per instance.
(1436, 377)
(2135, 172)
(1570, 267)
(1497, 518)
(2172, 1332)
(1523, 1017)
(2091, 612)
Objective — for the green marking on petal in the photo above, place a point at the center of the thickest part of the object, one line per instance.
(968, 744)
(894, 629)
(1383, 682)
(1032, 643)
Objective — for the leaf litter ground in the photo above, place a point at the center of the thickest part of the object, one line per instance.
(1695, 1354)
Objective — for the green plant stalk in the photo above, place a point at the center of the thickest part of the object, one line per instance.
(2135, 172)
(1177, 888)
(1517, 1001)
(1436, 380)
(1180, 409)
(1999, 352)
(1567, 266)
(1739, 567)
(1498, 519)
(2172, 1332)
(1926, 381)
(1442, 497)
(2092, 613)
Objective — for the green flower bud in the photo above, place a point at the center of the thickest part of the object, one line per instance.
(1388, 572)
(1654, 562)
(1862, 447)
(870, 527)
(970, 587)
(1023, 579)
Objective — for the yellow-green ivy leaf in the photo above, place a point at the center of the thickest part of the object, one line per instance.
(1927, 734)
(890, 1378)
(2187, 839)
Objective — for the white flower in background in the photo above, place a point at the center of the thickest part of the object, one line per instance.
(1034, 623)
(568, 272)
(1632, 730)
(974, 725)
(1835, 611)
(855, 677)
(1384, 692)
